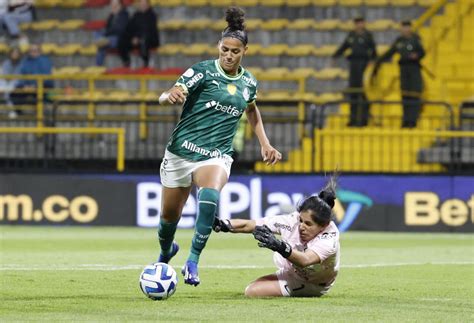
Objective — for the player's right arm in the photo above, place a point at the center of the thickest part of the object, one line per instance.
(175, 95)
(186, 84)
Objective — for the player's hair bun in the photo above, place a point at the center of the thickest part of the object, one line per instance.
(235, 18)
(328, 197)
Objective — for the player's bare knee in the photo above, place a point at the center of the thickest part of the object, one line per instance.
(171, 217)
(250, 291)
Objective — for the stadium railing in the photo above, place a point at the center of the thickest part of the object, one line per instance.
(317, 142)
(21, 151)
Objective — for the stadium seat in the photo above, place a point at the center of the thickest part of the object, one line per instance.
(4, 48)
(43, 25)
(302, 72)
(252, 24)
(272, 3)
(171, 71)
(381, 24)
(301, 50)
(198, 24)
(48, 48)
(167, 3)
(325, 50)
(170, 49)
(256, 71)
(88, 50)
(274, 24)
(254, 49)
(350, 3)
(67, 49)
(172, 24)
(426, 3)
(248, 3)
(72, 24)
(94, 70)
(402, 3)
(221, 3)
(274, 50)
(298, 3)
(72, 3)
(330, 73)
(376, 3)
(324, 3)
(346, 25)
(196, 3)
(276, 72)
(47, 3)
(218, 25)
(96, 3)
(196, 49)
(94, 25)
(327, 24)
(301, 24)
(67, 70)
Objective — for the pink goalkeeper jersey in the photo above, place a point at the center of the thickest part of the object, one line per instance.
(325, 245)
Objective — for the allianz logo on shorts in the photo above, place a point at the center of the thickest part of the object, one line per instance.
(224, 108)
(216, 153)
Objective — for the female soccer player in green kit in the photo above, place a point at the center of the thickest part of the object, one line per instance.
(215, 94)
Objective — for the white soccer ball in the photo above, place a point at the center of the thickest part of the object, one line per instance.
(158, 281)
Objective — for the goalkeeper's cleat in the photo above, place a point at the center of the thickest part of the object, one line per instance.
(190, 273)
(167, 258)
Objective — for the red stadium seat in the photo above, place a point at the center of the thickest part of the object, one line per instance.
(171, 71)
(96, 3)
(119, 71)
(145, 71)
(94, 25)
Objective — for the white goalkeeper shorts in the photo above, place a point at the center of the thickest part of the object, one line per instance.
(178, 172)
(291, 286)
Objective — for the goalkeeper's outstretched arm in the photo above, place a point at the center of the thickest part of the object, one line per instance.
(234, 225)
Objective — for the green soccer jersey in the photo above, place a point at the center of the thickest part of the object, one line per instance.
(211, 112)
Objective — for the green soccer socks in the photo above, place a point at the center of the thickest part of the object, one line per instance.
(207, 207)
(166, 232)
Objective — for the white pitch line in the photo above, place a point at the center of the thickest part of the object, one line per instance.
(104, 267)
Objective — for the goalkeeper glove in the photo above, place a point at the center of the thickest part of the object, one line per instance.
(222, 225)
(268, 240)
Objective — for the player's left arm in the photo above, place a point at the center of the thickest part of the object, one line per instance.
(269, 153)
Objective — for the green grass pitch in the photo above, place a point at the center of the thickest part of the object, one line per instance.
(91, 274)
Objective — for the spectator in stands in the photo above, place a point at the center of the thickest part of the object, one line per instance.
(411, 51)
(3, 12)
(114, 28)
(141, 33)
(362, 45)
(11, 66)
(33, 64)
(19, 11)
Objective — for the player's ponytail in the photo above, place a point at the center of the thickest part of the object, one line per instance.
(235, 18)
(321, 205)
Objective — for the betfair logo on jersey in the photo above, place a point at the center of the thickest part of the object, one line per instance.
(231, 88)
(224, 108)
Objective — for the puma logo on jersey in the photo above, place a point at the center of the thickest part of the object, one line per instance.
(216, 83)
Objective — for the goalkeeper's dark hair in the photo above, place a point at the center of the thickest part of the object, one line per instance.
(235, 18)
(321, 205)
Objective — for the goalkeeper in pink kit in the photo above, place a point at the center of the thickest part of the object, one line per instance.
(307, 256)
